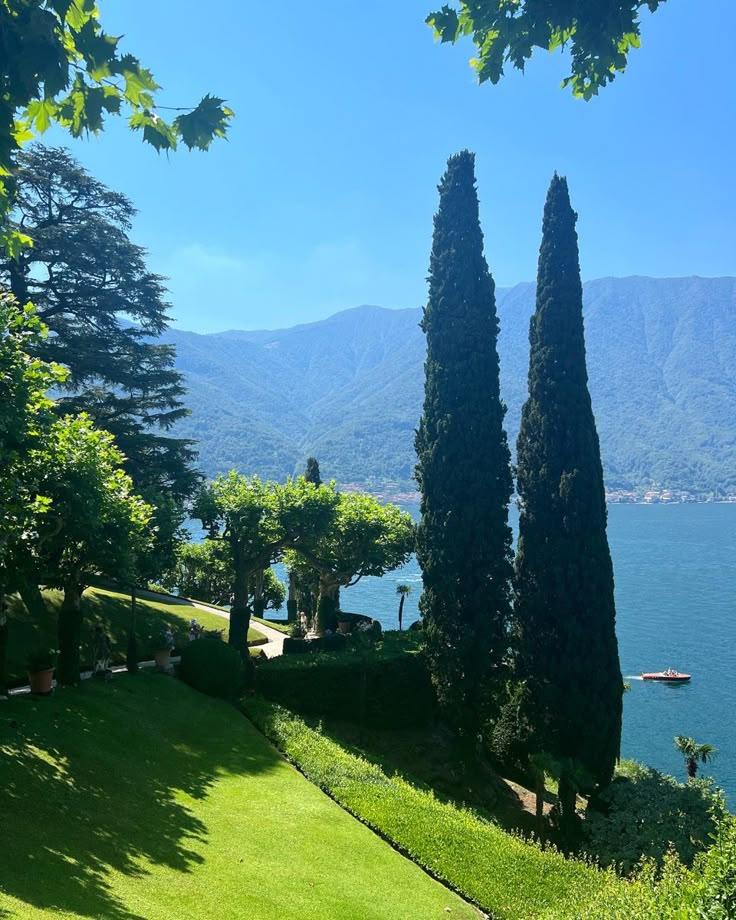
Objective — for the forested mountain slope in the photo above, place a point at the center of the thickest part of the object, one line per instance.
(661, 358)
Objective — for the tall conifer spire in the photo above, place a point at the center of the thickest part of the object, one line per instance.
(564, 609)
(464, 541)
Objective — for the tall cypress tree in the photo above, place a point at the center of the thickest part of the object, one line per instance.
(564, 608)
(312, 473)
(464, 541)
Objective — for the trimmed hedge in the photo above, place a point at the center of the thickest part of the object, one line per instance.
(386, 685)
(509, 877)
(212, 667)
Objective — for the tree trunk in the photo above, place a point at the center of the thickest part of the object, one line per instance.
(567, 794)
(131, 658)
(539, 810)
(259, 606)
(401, 612)
(18, 285)
(33, 599)
(692, 768)
(3, 646)
(326, 606)
(240, 619)
(70, 634)
(291, 605)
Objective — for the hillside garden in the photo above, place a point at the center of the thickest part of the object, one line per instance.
(481, 748)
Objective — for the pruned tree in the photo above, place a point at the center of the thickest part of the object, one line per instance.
(312, 473)
(258, 521)
(364, 538)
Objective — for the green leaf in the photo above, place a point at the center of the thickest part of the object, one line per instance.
(156, 132)
(208, 120)
(41, 113)
(22, 133)
(79, 12)
(13, 242)
(139, 83)
(445, 23)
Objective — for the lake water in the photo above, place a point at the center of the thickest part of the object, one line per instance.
(675, 569)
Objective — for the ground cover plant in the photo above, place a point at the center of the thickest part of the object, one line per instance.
(141, 798)
(647, 813)
(111, 610)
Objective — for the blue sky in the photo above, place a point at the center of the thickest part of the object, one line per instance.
(323, 197)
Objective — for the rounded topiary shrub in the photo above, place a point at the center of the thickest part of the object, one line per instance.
(213, 667)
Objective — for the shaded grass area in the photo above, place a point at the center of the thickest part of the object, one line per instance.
(111, 610)
(428, 756)
(143, 799)
(509, 877)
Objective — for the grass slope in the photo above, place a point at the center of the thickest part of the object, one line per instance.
(143, 799)
(111, 610)
(509, 877)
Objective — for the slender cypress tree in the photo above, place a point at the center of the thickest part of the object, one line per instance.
(312, 473)
(564, 607)
(464, 474)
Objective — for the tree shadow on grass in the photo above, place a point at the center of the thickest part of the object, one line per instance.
(104, 779)
(429, 758)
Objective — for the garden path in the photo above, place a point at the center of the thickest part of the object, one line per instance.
(271, 649)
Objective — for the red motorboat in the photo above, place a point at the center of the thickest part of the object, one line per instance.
(669, 676)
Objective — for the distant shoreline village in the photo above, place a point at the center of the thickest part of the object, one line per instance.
(403, 496)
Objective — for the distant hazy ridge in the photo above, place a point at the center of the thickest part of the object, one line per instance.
(661, 359)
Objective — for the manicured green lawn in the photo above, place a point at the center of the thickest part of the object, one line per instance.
(144, 799)
(511, 878)
(111, 610)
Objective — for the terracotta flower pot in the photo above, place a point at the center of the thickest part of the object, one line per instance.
(163, 659)
(41, 681)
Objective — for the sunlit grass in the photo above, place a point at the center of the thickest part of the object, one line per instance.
(144, 799)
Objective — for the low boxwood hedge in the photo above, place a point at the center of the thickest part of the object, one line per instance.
(386, 685)
(212, 667)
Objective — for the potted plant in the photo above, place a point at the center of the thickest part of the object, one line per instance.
(343, 622)
(41, 666)
(164, 648)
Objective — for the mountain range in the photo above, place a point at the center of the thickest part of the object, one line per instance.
(348, 389)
